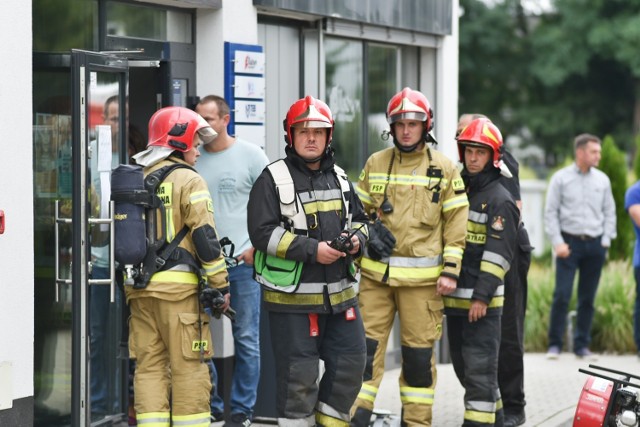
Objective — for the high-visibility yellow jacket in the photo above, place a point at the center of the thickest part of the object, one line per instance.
(429, 217)
(187, 202)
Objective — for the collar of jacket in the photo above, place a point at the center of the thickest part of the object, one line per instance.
(326, 162)
(480, 180)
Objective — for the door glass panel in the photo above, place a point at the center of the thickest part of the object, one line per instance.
(107, 351)
(344, 83)
(52, 181)
(56, 239)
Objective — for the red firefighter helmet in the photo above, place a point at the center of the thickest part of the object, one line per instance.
(308, 112)
(175, 127)
(410, 104)
(482, 133)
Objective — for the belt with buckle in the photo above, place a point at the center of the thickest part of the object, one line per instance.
(583, 237)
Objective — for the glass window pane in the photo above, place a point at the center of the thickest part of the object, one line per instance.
(129, 20)
(382, 72)
(344, 86)
(53, 19)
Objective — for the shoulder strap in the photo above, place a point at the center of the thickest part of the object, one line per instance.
(343, 180)
(290, 205)
(159, 252)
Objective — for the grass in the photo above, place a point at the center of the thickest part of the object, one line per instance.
(612, 329)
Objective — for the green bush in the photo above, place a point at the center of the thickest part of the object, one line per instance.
(613, 164)
(612, 329)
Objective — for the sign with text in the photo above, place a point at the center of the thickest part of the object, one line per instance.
(245, 90)
(248, 87)
(248, 62)
(249, 112)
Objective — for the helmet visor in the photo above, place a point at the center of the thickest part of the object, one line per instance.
(408, 115)
(207, 134)
(311, 124)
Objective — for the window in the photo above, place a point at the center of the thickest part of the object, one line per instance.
(361, 77)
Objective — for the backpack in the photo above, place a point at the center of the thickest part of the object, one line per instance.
(139, 250)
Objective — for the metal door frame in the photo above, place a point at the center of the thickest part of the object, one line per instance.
(83, 63)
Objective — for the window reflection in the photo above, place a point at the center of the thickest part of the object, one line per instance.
(344, 83)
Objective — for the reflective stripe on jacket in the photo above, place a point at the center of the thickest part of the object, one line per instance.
(429, 215)
(187, 202)
(322, 288)
(491, 239)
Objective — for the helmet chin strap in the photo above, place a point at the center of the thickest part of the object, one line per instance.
(403, 148)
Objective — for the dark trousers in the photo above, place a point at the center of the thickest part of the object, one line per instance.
(510, 362)
(340, 344)
(587, 256)
(474, 354)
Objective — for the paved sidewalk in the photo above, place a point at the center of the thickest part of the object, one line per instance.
(552, 389)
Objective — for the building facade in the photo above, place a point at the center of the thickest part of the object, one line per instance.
(70, 58)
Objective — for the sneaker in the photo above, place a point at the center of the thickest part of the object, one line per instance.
(238, 420)
(553, 352)
(585, 353)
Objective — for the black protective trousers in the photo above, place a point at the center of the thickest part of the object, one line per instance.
(340, 344)
(510, 363)
(474, 354)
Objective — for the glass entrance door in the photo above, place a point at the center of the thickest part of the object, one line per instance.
(81, 358)
(99, 356)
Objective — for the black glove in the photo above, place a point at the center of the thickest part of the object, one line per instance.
(212, 300)
(381, 241)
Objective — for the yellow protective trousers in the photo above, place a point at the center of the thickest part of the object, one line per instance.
(420, 311)
(170, 379)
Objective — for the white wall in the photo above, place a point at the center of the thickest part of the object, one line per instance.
(533, 194)
(236, 22)
(16, 200)
(447, 89)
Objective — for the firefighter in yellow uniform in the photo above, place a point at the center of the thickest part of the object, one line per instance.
(169, 333)
(413, 255)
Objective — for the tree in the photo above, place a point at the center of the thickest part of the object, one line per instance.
(552, 76)
(587, 70)
(492, 65)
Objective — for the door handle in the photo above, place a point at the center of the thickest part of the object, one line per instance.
(59, 221)
(112, 243)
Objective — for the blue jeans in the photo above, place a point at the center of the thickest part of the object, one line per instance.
(245, 299)
(105, 386)
(587, 256)
(636, 312)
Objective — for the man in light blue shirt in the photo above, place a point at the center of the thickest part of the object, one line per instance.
(231, 166)
(580, 219)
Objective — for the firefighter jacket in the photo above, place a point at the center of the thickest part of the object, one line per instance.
(491, 241)
(321, 288)
(187, 201)
(428, 220)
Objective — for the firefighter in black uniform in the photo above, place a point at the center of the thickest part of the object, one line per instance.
(297, 208)
(511, 359)
(474, 309)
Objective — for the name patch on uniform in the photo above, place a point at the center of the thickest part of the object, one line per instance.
(363, 174)
(458, 184)
(197, 345)
(165, 193)
(210, 206)
(377, 188)
(497, 223)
